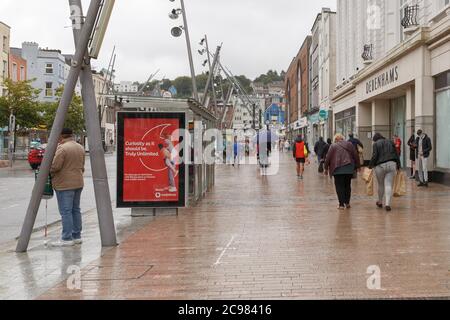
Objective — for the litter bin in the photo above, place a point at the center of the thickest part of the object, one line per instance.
(48, 191)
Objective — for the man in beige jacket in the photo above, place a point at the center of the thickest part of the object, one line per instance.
(67, 176)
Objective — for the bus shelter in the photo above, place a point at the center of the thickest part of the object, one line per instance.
(200, 176)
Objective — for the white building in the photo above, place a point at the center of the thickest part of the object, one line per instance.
(322, 75)
(243, 112)
(47, 68)
(393, 73)
(5, 31)
(126, 87)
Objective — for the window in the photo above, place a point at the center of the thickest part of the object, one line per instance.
(5, 43)
(22, 73)
(14, 72)
(49, 89)
(49, 68)
(5, 69)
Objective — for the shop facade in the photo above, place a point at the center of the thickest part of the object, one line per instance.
(406, 90)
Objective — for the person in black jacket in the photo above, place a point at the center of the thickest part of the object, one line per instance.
(423, 151)
(412, 154)
(319, 148)
(386, 162)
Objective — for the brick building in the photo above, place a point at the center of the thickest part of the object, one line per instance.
(297, 90)
(17, 66)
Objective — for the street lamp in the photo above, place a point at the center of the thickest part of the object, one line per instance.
(177, 32)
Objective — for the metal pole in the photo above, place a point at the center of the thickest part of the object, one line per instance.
(58, 124)
(188, 43)
(211, 76)
(96, 151)
(212, 71)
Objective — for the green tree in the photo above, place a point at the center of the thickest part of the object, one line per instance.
(246, 83)
(166, 84)
(201, 80)
(74, 118)
(21, 101)
(184, 87)
(270, 77)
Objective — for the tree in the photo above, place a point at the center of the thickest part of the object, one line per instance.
(166, 84)
(270, 77)
(184, 87)
(246, 83)
(21, 101)
(74, 118)
(202, 79)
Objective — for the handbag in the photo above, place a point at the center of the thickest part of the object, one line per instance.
(321, 166)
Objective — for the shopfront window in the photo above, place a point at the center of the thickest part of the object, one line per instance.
(346, 121)
(443, 120)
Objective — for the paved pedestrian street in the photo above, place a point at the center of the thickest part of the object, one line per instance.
(275, 237)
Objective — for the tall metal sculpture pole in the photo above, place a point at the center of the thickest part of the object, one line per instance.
(58, 124)
(188, 43)
(96, 151)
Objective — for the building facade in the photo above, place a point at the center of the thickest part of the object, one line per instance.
(5, 33)
(297, 91)
(126, 87)
(47, 68)
(322, 65)
(17, 66)
(401, 80)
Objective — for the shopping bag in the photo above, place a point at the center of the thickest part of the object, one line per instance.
(400, 184)
(367, 174)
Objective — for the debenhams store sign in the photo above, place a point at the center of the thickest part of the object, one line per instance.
(384, 79)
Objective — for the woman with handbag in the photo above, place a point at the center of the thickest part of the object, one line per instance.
(386, 162)
(341, 163)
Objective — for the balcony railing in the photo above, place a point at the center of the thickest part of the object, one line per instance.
(410, 16)
(367, 53)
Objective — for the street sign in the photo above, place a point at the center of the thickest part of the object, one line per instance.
(12, 122)
(323, 114)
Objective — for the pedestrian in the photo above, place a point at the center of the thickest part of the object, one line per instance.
(319, 148)
(398, 144)
(236, 152)
(300, 152)
(287, 146)
(341, 163)
(412, 155)
(386, 162)
(423, 151)
(67, 177)
(358, 146)
(324, 156)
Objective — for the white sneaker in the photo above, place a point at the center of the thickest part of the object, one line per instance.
(78, 241)
(61, 244)
(173, 189)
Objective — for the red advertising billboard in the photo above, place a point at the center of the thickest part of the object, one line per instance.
(151, 172)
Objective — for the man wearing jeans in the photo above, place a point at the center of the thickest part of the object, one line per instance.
(423, 151)
(67, 176)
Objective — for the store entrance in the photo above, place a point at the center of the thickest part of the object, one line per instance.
(398, 124)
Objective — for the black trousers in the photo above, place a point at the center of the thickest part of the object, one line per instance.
(343, 185)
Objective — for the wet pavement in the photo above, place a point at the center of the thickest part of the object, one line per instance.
(256, 237)
(16, 185)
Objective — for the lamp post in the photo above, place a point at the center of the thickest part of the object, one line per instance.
(176, 32)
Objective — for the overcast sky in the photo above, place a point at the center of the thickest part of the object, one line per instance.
(257, 35)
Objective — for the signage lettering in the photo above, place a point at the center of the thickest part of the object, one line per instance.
(382, 80)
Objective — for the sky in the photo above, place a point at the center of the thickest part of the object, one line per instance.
(257, 35)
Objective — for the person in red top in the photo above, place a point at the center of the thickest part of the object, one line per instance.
(398, 145)
(300, 156)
